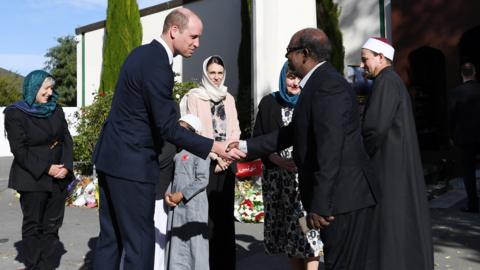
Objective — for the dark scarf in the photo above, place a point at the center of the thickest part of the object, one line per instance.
(32, 83)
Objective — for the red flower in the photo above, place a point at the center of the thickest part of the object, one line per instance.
(102, 94)
(259, 216)
(248, 203)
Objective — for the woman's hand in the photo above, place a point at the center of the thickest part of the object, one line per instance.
(58, 171)
(284, 163)
(222, 164)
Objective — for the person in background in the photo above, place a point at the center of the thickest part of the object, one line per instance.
(281, 196)
(401, 231)
(464, 117)
(42, 166)
(216, 109)
(187, 245)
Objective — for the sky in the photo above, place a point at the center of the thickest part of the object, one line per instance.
(28, 28)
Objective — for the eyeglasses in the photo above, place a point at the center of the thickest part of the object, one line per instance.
(292, 49)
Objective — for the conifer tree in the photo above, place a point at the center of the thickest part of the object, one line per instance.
(123, 32)
(327, 20)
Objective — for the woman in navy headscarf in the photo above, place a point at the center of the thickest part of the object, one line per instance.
(42, 167)
(283, 233)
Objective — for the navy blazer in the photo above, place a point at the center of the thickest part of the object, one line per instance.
(334, 171)
(32, 142)
(142, 116)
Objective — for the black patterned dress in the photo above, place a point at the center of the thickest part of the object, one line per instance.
(283, 208)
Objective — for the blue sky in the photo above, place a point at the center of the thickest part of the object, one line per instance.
(28, 28)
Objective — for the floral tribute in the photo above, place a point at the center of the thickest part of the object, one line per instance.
(248, 200)
(83, 192)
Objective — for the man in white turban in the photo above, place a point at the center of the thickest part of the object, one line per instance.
(401, 232)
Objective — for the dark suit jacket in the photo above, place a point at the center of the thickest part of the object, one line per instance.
(142, 116)
(464, 113)
(333, 167)
(30, 141)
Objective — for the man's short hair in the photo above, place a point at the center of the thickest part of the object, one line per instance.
(467, 69)
(176, 17)
(320, 49)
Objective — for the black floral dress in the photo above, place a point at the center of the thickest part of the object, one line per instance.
(283, 208)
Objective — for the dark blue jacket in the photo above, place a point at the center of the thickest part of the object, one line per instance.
(143, 115)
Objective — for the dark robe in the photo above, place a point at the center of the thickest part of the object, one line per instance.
(401, 231)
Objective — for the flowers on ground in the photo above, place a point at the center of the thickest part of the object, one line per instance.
(248, 201)
(83, 191)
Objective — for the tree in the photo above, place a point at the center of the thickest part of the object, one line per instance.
(327, 20)
(62, 64)
(10, 88)
(123, 32)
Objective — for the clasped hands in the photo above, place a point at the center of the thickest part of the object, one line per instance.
(58, 171)
(228, 150)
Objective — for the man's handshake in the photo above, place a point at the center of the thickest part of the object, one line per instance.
(228, 150)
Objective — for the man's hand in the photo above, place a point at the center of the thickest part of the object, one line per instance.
(284, 163)
(222, 149)
(315, 221)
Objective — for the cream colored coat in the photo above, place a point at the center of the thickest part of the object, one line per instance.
(201, 108)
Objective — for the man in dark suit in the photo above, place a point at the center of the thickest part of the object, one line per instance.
(336, 186)
(143, 115)
(464, 111)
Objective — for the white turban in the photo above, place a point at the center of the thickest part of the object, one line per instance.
(380, 45)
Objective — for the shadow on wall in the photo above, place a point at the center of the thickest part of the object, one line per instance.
(469, 47)
(428, 89)
(437, 24)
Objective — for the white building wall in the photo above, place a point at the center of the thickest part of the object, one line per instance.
(359, 20)
(221, 35)
(274, 23)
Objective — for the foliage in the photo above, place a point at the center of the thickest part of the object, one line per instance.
(89, 123)
(123, 33)
(327, 20)
(10, 88)
(244, 97)
(181, 88)
(62, 64)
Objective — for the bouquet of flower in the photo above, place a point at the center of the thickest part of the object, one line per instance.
(83, 191)
(249, 201)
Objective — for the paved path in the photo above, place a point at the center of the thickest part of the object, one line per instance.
(456, 237)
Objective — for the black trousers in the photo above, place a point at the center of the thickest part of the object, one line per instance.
(126, 224)
(345, 240)
(42, 218)
(469, 167)
(221, 226)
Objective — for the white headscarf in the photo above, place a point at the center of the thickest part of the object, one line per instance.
(207, 90)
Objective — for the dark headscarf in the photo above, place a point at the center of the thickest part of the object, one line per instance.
(282, 93)
(32, 83)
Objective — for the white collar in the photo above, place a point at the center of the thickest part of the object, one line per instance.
(169, 52)
(306, 77)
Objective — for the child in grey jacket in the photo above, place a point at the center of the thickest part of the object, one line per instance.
(187, 244)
